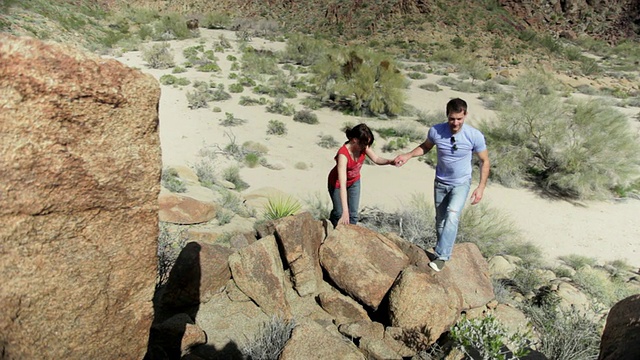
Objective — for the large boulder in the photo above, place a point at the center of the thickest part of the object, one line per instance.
(362, 262)
(258, 271)
(621, 336)
(80, 163)
(300, 237)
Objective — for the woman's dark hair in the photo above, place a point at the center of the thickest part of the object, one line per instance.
(362, 133)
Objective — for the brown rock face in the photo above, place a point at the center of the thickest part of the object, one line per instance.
(80, 163)
(621, 336)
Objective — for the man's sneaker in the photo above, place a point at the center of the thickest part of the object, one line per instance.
(437, 265)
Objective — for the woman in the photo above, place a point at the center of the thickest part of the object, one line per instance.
(344, 178)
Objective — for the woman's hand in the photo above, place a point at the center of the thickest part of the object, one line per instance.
(344, 219)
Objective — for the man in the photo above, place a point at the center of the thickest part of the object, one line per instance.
(455, 143)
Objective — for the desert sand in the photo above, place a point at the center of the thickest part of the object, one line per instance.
(604, 230)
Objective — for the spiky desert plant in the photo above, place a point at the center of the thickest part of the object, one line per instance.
(158, 56)
(279, 207)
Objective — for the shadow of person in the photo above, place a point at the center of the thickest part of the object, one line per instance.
(175, 305)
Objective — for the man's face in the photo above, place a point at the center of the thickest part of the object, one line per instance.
(455, 120)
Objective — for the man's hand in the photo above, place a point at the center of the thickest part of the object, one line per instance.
(401, 159)
(476, 196)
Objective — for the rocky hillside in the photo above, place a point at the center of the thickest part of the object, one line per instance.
(612, 21)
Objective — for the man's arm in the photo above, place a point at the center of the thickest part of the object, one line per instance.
(485, 165)
(419, 150)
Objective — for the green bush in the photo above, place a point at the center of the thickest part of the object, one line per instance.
(396, 144)
(362, 81)
(219, 94)
(252, 160)
(232, 175)
(236, 88)
(249, 101)
(318, 205)
(279, 106)
(580, 151)
(178, 70)
(169, 79)
(281, 207)
(416, 75)
(304, 50)
(172, 181)
(305, 116)
(486, 336)
(215, 20)
(327, 142)
(171, 26)
(231, 120)
(258, 62)
(158, 56)
(198, 98)
(600, 286)
(276, 127)
(430, 87)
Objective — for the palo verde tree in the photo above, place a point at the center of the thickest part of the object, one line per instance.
(577, 149)
(361, 81)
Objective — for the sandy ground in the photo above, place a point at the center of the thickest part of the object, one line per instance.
(606, 231)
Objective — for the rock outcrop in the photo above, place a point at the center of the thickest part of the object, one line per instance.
(332, 286)
(621, 336)
(80, 163)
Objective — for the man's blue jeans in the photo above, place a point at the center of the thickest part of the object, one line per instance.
(449, 201)
(353, 200)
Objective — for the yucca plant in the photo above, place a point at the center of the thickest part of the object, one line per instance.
(281, 207)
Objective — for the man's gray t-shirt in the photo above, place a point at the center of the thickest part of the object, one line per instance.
(454, 156)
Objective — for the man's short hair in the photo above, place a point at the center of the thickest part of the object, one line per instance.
(456, 105)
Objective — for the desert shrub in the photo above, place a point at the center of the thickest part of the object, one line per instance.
(276, 127)
(486, 336)
(281, 85)
(429, 118)
(564, 335)
(311, 102)
(396, 144)
(232, 175)
(361, 80)
(577, 262)
(270, 341)
(231, 201)
(249, 101)
(169, 79)
(178, 70)
(305, 116)
(215, 20)
(406, 129)
(475, 69)
(430, 87)
(206, 173)
(495, 234)
(254, 147)
(216, 109)
(526, 279)
(198, 98)
(172, 181)
(224, 216)
(327, 142)
(171, 26)
(208, 67)
(304, 50)
(600, 286)
(252, 160)
(231, 58)
(279, 106)
(218, 94)
(416, 75)
(158, 56)
(581, 151)
(259, 62)
(281, 207)
(236, 88)
(301, 165)
(231, 120)
(318, 205)
(170, 243)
